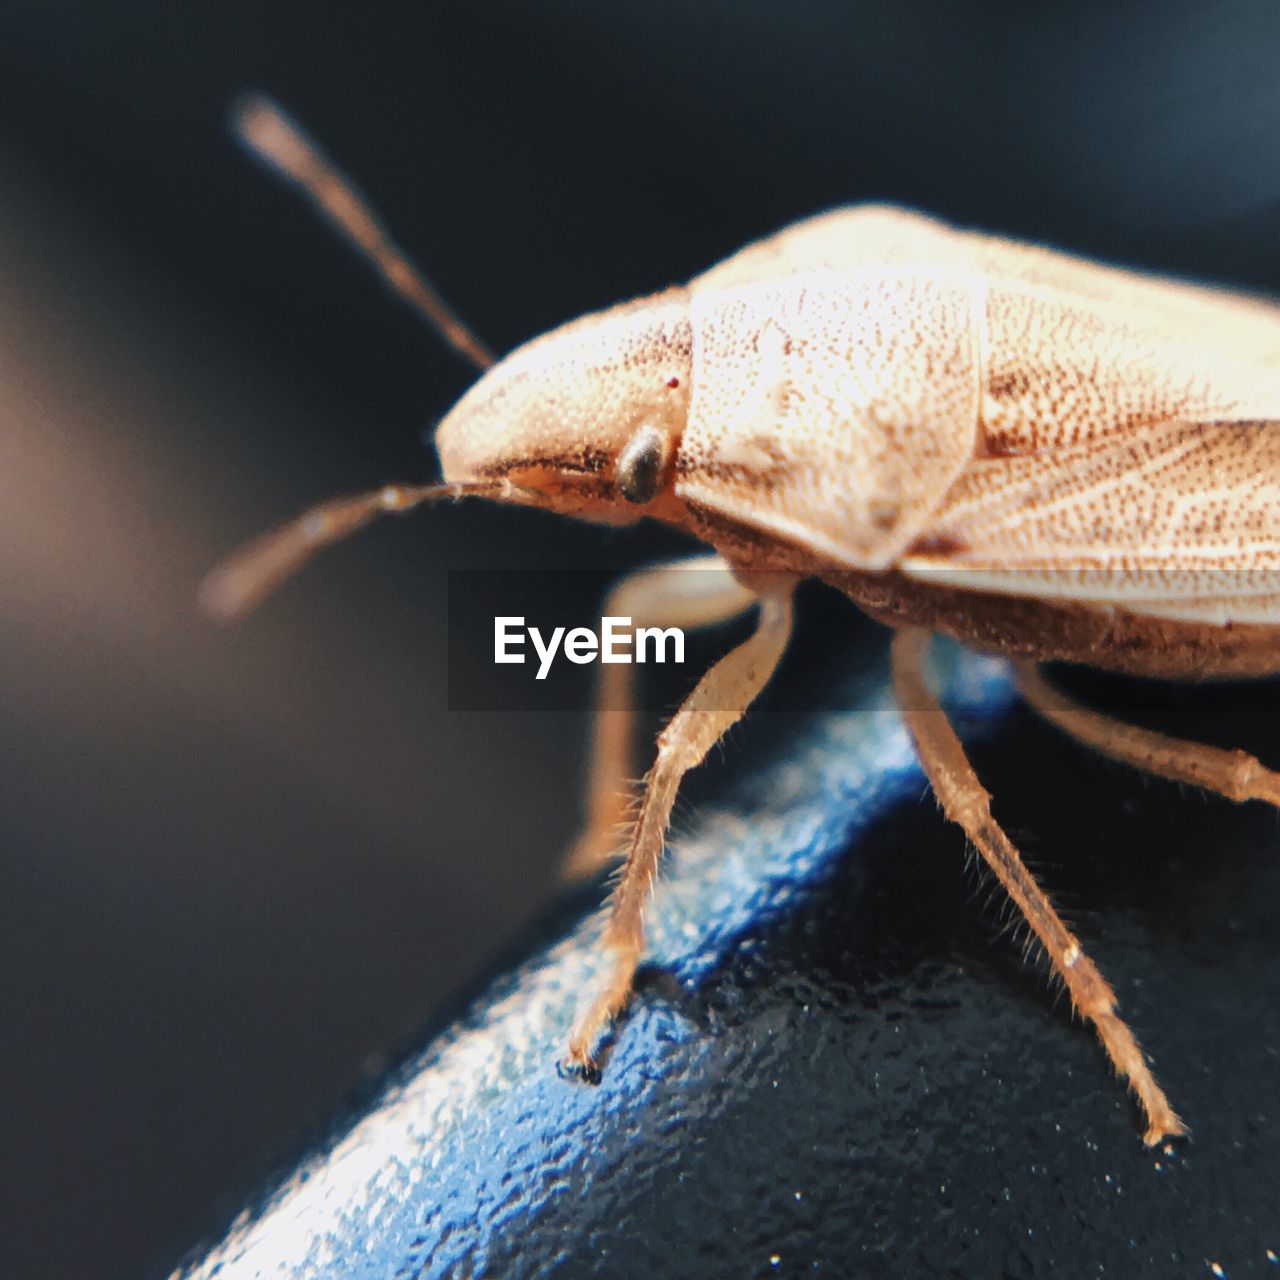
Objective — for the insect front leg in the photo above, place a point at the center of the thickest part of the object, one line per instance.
(719, 701)
(967, 804)
(1234, 774)
(697, 591)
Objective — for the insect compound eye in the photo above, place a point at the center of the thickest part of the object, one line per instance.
(640, 465)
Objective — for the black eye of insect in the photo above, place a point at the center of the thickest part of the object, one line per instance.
(640, 465)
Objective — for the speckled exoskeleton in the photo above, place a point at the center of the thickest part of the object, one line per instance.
(1038, 455)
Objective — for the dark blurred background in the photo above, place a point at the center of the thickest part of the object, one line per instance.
(241, 867)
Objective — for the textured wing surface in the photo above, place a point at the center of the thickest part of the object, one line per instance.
(1183, 511)
(1133, 417)
(858, 235)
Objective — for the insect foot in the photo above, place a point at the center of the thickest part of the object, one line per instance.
(1040, 456)
(580, 1071)
(967, 804)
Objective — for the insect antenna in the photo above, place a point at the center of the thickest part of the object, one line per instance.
(241, 582)
(269, 133)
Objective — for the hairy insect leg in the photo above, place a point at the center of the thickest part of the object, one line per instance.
(1234, 774)
(719, 701)
(698, 591)
(967, 804)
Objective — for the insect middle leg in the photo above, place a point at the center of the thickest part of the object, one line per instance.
(719, 701)
(967, 804)
(697, 591)
(1234, 774)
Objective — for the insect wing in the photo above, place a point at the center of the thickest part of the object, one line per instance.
(1181, 512)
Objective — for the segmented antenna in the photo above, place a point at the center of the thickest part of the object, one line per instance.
(269, 133)
(238, 584)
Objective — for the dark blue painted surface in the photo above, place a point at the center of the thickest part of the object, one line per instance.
(829, 1069)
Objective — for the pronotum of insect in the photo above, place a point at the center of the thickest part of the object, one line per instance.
(1035, 454)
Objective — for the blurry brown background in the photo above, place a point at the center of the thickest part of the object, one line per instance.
(240, 867)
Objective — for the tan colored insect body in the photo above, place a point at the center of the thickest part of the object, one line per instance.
(1038, 455)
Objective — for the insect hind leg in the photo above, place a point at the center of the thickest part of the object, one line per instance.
(1234, 774)
(967, 804)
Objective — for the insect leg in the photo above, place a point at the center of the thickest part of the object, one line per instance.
(719, 701)
(967, 804)
(697, 591)
(1234, 774)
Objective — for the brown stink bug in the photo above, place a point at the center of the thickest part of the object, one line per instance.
(1037, 455)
